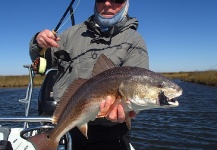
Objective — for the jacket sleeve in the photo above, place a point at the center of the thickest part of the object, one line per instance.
(34, 49)
(137, 54)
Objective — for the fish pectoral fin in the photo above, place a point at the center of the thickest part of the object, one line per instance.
(128, 122)
(101, 115)
(84, 129)
(107, 109)
(103, 112)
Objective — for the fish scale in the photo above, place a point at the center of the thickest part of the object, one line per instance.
(136, 88)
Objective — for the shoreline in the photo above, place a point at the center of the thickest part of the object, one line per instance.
(199, 77)
(19, 81)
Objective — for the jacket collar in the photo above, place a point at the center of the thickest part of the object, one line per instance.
(112, 31)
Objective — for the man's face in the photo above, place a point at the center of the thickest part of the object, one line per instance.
(108, 8)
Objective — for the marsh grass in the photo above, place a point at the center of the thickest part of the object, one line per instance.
(19, 81)
(200, 77)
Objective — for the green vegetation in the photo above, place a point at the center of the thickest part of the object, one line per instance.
(200, 77)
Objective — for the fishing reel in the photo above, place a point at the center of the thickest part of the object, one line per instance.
(39, 65)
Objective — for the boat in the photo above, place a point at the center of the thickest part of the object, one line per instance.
(15, 138)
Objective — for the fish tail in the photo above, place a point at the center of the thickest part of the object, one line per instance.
(43, 142)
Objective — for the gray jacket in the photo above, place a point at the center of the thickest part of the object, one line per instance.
(80, 45)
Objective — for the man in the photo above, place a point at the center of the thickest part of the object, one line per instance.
(110, 31)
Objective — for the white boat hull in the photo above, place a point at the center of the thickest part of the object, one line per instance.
(17, 142)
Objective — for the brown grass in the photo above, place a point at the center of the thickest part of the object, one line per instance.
(19, 81)
(200, 77)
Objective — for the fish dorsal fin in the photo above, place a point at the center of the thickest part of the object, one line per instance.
(66, 98)
(103, 63)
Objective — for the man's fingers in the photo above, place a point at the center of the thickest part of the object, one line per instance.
(108, 101)
(117, 113)
(113, 114)
(121, 113)
(105, 105)
(102, 105)
(50, 34)
(51, 42)
(47, 39)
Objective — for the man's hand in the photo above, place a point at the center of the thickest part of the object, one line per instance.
(117, 114)
(47, 39)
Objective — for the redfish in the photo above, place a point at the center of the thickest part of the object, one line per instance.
(136, 88)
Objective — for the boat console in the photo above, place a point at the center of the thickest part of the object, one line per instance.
(46, 102)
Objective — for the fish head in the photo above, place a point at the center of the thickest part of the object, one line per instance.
(146, 92)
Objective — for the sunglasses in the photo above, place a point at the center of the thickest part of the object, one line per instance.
(113, 1)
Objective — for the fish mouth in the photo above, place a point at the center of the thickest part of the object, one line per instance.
(163, 100)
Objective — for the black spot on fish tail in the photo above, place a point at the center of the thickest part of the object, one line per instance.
(173, 100)
(163, 99)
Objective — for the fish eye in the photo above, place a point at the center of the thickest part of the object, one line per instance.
(160, 85)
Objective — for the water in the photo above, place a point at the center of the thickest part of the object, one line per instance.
(192, 125)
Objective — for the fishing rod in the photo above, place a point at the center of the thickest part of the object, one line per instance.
(69, 9)
(39, 65)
